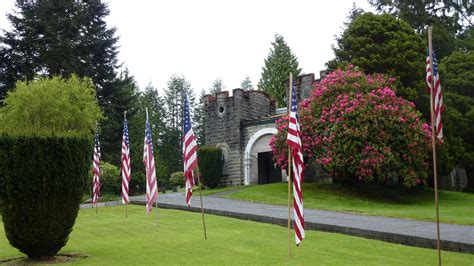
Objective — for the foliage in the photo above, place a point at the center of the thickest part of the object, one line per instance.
(124, 98)
(199, 124)
(177, 87)
(137, 183)
(51, 105)
(457, 73)
(217, 86)
(58, 37)
(211, 163)
(383, 44)
(246, 84)
(136, 126)
(279, 63)
(43, 179)
(177, 178)
(450, 19)
(358, 129)
(110, 179)
(171, 140)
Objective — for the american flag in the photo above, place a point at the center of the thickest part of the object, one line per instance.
(189, 151)
(149, 161)
(126, 170)
(438, 97)
(294, 143)
(96, 170)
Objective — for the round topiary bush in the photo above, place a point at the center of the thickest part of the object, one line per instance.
(359, 130)
(42, 177)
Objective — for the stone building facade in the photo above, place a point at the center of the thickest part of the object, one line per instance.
(241, 125)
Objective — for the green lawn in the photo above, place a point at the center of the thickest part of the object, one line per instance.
(110, 239)
(455, 207)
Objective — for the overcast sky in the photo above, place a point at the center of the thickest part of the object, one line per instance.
(207, 39)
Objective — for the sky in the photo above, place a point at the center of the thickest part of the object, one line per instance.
(209, 39)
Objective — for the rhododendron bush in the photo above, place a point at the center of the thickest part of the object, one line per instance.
(356, 127)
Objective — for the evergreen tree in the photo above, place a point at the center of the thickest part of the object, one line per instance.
(217, 86)
(124, 98)
(199, 119)
(278, 65)
(383, 44)
(172, 138)
(157, 115)
(450, 19)
(59, 37)
(246, 84)
(177, 87)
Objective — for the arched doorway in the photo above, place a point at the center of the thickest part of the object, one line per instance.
(258, 164)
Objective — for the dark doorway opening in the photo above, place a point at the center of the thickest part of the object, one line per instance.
(267, 172)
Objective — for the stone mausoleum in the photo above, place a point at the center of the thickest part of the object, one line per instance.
(241, 125)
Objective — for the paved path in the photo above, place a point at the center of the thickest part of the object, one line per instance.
(403, 231)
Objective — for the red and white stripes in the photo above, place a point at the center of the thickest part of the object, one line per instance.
(436, 93)
(125, 158)
(149, 161)
(189, 151)
(96, 170)
(294, 143)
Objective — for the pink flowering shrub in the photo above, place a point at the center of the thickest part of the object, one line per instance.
(358, 129)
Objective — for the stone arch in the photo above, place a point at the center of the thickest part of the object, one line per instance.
(248, 150)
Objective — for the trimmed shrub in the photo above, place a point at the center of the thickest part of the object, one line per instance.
(177, 178)
(43, 180)
(51, 105)
(211, 163)
(110, 179)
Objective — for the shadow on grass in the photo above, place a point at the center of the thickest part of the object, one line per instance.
(60, 258)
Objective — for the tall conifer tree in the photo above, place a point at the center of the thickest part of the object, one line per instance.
(59, 37)
(278, 65)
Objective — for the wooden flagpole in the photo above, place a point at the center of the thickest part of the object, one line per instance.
(126, 203)
(289, 169)
(202, 206)
(433, 140)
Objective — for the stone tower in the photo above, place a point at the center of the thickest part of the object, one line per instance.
(224, 116)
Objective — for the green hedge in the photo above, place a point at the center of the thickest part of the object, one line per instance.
(43, 180)
(211, 163)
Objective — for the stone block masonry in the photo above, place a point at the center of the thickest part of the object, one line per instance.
(224, 117)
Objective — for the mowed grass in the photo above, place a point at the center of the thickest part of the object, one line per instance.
(454, 207)
(110, 239)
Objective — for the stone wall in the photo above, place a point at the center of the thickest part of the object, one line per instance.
(224, 115)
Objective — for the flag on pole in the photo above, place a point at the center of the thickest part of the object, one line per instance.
(149, 161)
(436, 93)
(126, 170)
(96, 169)
(189, 151)
(294, 143)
